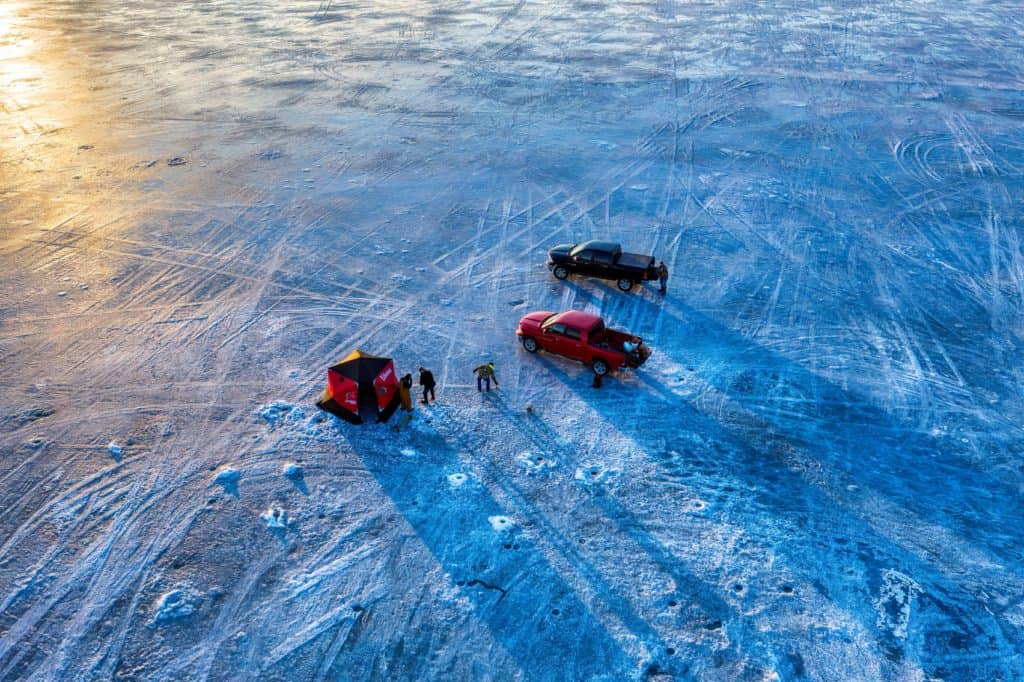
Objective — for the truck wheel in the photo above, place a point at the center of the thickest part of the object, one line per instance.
(624, 284)
(560, 272)
(600, 367)
(530, 344)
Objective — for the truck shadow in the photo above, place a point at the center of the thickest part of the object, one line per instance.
(843, 474)
(838, 554)
(842, 432)
(526, 605)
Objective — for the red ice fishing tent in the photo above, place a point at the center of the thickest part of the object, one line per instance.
(361, 387)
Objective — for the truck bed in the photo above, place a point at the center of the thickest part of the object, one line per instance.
(636, 260)
(613, 339)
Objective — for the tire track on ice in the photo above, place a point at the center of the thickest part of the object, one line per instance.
(106, 583)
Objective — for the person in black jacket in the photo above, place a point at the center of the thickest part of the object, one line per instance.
(428, 383)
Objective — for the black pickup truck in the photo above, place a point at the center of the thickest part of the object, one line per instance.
(601, 259)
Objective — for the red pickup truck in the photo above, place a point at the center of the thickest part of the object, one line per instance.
(581, 336)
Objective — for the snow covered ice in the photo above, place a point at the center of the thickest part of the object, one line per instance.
(818, 474)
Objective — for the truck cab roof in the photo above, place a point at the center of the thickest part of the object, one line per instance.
(578, 319)
(595, 245)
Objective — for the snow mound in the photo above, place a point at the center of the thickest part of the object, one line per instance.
(535, 462)
(227, 478)
(297, 420)
(409, 452)
(176, 604)
(594, 474)
(275, 517)
(280, 412)
(500, 523)
(292, 470)
(894, 601)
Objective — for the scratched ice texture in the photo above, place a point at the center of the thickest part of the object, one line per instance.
(817, 475)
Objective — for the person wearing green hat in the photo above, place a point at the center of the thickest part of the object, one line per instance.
(484, 373)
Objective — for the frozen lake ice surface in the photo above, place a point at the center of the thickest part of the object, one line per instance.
(819, 473)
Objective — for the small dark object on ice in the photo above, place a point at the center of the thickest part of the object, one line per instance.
(176, 161)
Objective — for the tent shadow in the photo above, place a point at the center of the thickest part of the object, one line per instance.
(526, 605)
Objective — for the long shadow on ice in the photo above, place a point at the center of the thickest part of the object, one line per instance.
(603, 589)
(526, 605)
(817, 541)
(704, 607)
(842, 431)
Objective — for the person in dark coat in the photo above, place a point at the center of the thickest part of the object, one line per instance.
(662, 277)
(484, 373)
(428, 383)
(404, 387)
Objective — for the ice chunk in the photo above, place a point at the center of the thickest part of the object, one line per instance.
(176, 604)
(593, 474)
(227, 478)
(535, 462)
(275, 517)
(500, 523)
(280, 411)
(894, 601)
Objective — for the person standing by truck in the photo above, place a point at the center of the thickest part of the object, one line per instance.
(662, 277)
(484, 373)
(428, 383)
